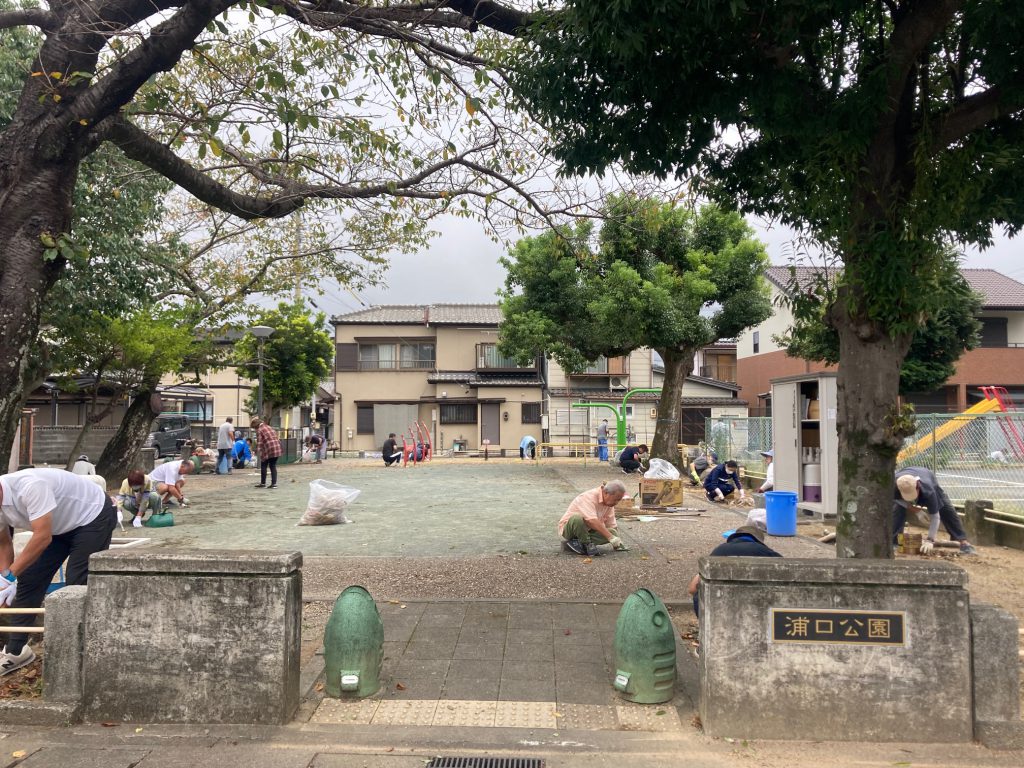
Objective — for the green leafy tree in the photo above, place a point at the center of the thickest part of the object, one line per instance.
(658, 276)
(881, 130)
(934, 351)
(296, 357)
(392, 111)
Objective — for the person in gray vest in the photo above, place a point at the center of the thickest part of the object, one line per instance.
(918, 487)
(602, 440)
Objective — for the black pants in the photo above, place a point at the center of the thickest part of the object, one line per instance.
(75, 546)
(629, 465)
(270, 463)
(947, 513)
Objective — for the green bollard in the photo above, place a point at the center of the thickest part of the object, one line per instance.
(353, 646)
(645, 650)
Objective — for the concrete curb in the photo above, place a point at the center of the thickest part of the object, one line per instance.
(38, 712)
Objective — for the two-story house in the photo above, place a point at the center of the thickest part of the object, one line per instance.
(436, 365)
(439, 365)
(999, 360)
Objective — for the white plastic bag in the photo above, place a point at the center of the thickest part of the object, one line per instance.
(661, 470)
(758, 518)
(327, 502)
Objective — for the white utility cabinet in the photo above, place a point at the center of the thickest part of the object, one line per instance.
(806, 441)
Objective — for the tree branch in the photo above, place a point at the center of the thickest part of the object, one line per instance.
(975, 111)
(911, 35)
(30, 17)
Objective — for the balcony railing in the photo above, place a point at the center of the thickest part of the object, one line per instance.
(612, 366)
(488, 358)
(417, 364)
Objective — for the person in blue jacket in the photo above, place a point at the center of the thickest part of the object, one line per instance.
(241, 453)
(722, 481)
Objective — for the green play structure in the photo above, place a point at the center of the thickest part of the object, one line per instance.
(619, 411)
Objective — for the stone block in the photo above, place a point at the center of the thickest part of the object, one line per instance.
(760, 679)
(193, 637)
(147, 460)
(994, 646)
(64, 623)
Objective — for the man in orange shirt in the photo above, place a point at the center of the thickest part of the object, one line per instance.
(590, 520)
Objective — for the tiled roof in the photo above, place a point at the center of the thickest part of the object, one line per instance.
(423, 314)
(998, 290)
(475, 379)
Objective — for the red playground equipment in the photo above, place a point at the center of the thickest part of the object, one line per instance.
(418, 448)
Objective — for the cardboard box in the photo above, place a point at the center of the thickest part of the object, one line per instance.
(661, 493)
(813, 410)
(625, 503)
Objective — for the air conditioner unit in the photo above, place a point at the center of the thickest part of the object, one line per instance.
(617, 382)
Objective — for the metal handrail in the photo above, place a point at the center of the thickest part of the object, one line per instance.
(23, 611)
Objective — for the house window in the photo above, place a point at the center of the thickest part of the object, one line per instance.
(757, 342)
(993, 332)
(390, 357)
(364, 419)
(488, 356)
(531, 413)
(458, 413)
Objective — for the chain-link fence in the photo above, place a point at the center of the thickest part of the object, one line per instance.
(973, 457)
(742, 439)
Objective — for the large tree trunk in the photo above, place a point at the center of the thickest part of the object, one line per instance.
(678, 364)
(122, 452)
(871, 430)
(35, 198)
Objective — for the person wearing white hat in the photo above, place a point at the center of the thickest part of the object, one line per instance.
(918, 487)
(769, 468)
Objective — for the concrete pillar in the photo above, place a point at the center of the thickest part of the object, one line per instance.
(996, 669)
(978, 531)
(147, 460)
(64, 624)
(193, 637)
(864, 650)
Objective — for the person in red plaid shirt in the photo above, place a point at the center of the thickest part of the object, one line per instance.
(268, 448)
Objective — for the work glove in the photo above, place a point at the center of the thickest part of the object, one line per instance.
(8, 588)
(136, 522)
(926, 547)
(617, 544)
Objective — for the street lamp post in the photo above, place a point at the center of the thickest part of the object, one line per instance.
(261, 332)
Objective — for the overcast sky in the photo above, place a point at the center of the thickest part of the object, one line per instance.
(461, 266)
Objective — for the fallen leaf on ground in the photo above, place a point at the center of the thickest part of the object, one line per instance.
(394, 602)
(400, 686)
(109, 724)
(390, 749)
(20, 753)
(138, 730)
(587, 560)
(318, 687)
(568, 632)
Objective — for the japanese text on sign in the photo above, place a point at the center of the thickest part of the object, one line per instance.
(817, 626)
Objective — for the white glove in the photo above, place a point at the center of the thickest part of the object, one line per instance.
(136, 522)
(616, 543)
(926, 547)
(8, 588)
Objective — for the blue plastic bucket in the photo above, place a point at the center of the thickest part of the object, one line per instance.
(781, 513)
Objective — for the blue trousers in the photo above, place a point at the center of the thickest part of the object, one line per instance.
(602, 449)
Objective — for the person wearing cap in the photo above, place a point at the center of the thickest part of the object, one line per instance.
(745, 541)
(83, 466)
(70, 518)
(918, 487)
(769, 468)
(722, 481)
(590, 520)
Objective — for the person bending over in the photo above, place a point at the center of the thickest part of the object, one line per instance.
(722, 481)
(590, 520)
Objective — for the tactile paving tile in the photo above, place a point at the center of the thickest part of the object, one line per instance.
(646, 717)
(460, 712)
(588, 717)
(525, 714)
(405, 712)
(336, 711)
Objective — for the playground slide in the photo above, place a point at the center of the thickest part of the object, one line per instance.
(947, 429)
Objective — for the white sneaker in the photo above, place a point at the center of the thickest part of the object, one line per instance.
(9, 662)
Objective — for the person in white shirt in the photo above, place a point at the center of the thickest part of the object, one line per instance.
(225, 442)
(769, 464)
(169, 481)
(70, 518)
(83, 466)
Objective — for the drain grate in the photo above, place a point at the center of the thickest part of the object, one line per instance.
(485, 762)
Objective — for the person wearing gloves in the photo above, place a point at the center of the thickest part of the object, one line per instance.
(722, 481)
(631, 458)
(70, 518)
(769, 469)
(590, 520)
(137, 494)
(169, 481)
(917, 487)
(241, 454)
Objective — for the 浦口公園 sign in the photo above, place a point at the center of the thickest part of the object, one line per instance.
(819, 626)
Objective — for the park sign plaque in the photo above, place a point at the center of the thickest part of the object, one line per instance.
(797, 625)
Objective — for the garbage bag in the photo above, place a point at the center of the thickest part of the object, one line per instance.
(327, 502)
(758, 518)
(660, 469)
